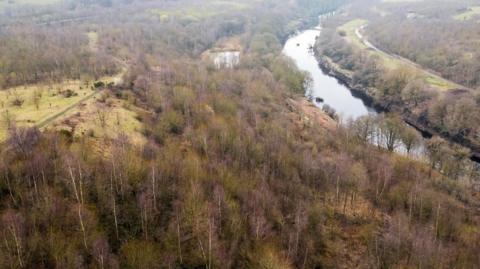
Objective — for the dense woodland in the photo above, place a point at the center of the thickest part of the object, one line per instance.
(30, 55)
(231, 176)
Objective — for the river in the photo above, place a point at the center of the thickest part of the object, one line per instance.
(328, 88)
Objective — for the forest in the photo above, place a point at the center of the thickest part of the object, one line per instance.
(150, 156)
(453, 53)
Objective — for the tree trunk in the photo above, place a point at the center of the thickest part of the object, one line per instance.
(153, 189)
(179, 242)
(79, 203)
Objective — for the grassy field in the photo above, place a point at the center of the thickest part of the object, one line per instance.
(469, 14)
(350, 31)
(45, 105)
(201, 10)
(105, 119)
(39, 105)
(12, 3)
(92, 40)
(70, 106)
(401, 1)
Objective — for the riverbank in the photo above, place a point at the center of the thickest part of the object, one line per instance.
(310, 114)
(345, 78)
(367, 95)
(323, 89)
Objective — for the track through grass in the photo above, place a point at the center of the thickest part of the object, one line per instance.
(352, 32)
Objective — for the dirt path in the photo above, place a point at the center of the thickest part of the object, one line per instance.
(117, 79)
(428, 72)
(52, 118)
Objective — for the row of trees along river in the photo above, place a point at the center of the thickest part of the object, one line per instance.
(329, 94)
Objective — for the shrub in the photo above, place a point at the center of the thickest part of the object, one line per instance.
(171, 122)
(68, 93)
(98, 84)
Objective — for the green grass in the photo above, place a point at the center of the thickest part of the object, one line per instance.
(52, 104)
(469, 14)
(51, 101)
(92, 40)
(440, 83)
(120, 117)
(350, 28)
(350, 35)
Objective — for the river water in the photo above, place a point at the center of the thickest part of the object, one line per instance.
(328, 88)
(336, 95)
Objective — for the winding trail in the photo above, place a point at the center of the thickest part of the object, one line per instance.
(426, 71)
(475, 154)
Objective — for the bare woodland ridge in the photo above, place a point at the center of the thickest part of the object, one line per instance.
(154, 158)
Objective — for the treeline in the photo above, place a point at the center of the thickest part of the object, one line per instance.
(60, 50)
(37, 54)
(263, 26)
(389, 132)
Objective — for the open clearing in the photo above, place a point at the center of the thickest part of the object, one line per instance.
(348, 30)
(39, 105)
(352, 33)
(92, 40)
(43, 105)
(200, 11)
(102, 117)
(401, 1)
(30, 105)
(468, 14)
(12, 3)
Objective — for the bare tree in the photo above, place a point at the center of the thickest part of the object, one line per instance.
(410, 139)
(102, 115)
(390, 130)
(13, 224)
